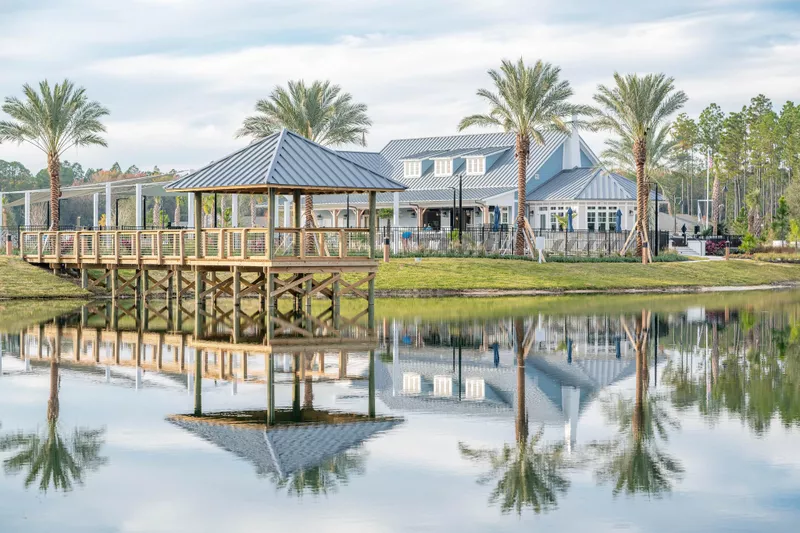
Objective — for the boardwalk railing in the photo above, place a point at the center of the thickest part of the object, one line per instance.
(229, 245)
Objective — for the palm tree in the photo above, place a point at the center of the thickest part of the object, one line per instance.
(529, 101)
(53, 120)
(179, 201)
(53, 459)
(320, 112)
(528, 474)
(633, 109)
(327, 476)
(633, 461)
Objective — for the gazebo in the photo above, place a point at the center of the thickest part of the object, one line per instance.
(301, 261)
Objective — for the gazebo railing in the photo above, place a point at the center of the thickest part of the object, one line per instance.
(177, 246)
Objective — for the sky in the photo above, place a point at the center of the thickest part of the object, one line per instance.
(179, 76)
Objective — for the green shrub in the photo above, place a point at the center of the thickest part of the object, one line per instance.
(749, 243)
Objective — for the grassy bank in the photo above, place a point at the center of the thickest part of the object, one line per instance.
(466, 274)
(21, 280)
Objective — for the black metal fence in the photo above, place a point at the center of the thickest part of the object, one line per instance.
(488, 240)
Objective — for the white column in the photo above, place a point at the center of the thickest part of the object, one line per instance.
(108, 204)
(189, 210)
(234, 211)
(287, 208)
(95, 209)
(570, 400)
(396, 209)
(395, 356)
(27, 208)
(276, 216)
(138, 205)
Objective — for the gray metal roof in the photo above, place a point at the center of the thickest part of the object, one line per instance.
(289, 161)
(371, 160)
(585, 183)
(412, 196)
(502, 173)
(286, 449)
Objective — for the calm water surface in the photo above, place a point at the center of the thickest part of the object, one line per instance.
(671, 413)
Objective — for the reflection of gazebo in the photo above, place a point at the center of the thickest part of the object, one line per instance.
(286, 448)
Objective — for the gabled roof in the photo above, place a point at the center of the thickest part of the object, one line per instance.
(285, 449)
(285, 160)
(585, 183)
(502, 173)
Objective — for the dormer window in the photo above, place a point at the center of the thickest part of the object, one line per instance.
(443, 167)
(412, 169)
(476, 165)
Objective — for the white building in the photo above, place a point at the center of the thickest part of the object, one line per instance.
(561, 173)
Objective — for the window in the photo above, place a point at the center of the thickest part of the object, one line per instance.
(475, 389)
(443, 167)
(412, 383)
(504, 215)
(442, 386)
(412, 169)
(554, 223)
(602, 220)
(612, 219)
(476, 165)
(591, 218)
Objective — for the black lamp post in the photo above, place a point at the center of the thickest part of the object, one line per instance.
(460, 207)
(453, 212)
(656, 224)
(347, 213)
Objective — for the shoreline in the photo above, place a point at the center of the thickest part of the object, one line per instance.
(490, 293)
(494, 293)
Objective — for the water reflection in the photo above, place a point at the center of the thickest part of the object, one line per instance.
(528, 473)
(52, 457)
(581, 398)
(635, 460)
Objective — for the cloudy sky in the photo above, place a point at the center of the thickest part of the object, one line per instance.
(180, 75)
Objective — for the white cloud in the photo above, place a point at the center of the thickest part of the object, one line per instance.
(180, 76)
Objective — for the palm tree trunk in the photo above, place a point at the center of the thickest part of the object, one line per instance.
(522, 150)
(176, 220)
(54, 169)
(252, 210)
(521, 426)
(157, 212)
(309, 223)
(52, 402)
(642, 192)
(641, 372)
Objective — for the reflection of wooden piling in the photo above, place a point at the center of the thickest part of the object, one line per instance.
(372, 383)
(270, 389)
(198, 383)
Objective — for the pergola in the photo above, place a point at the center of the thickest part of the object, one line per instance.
(135, 188)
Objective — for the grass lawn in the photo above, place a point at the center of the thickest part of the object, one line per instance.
(474, 273)
(21, 280)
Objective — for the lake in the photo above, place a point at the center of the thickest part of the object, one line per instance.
(596, 413)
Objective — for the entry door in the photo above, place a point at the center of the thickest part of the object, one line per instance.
(542, 221)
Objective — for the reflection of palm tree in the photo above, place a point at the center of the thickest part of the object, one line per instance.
(528, 475)
(634, 463)
(53, 459)
(327, 476)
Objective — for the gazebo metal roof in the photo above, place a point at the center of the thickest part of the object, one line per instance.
(285, 160)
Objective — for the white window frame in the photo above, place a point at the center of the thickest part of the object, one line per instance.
(476, 166)
(412, 168)
(442, 167)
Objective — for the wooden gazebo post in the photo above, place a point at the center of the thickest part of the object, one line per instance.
(373, 222)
